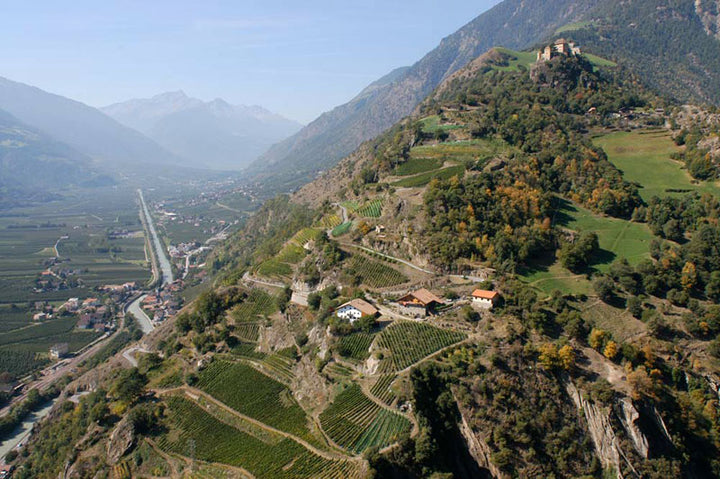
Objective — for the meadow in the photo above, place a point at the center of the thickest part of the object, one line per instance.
(644, 158)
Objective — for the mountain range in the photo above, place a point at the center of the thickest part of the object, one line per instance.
(210, 134)
(672, 45)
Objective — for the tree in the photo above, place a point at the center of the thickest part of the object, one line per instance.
(634, 306)
(712, 288)
(129, 385)
(603, 287)
(549, 356)
(566, 356)
(611, 350)
(689, 276)
(598, 338)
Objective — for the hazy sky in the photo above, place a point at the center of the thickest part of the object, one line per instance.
(298, 58)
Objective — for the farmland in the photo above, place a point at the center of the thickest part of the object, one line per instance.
(374, 273)
(382, 389)
(199, 435)
(644, 158)
(356, 423)
(356, 345)
(256, 395)
(256, 306)
(417, 165)
(341, 229)
(371, 209)
(407, 342)
(424, 178)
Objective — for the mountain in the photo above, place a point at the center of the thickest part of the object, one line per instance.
(215, 133)
(82, 127)
(672, 45)
(321, 144)
(33, 164)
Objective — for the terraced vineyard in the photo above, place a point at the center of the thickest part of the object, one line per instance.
(407, 342)
(247, 350)
(351, 206)
(329, 221)
(305, 235)
(355, 345)
(340, 230)
(195, 433)
(424, 178)
(371, 209)
(381, 389)
(256, 395)
(248, 332)
(258, 304)
(338, 371)
(418, 165)
(356, 423)
(376, 274)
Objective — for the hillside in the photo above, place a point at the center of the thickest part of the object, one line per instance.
(673, 47)
(84, 128)
(33, 165)
(599, 359)
(212, 134)
(335, 134)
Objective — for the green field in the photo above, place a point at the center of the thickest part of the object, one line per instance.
(257, 305)
(356, 345)
(341, 229)
(424, 178)
(197, 434)
(618, 238)
(256, 395)
(417, 165)
(431, 124)
(382, 389)
(644, 158)
(374, 273)
(356, 423)
(407, 342)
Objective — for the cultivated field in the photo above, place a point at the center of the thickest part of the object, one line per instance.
(407, 342)
(356, 423)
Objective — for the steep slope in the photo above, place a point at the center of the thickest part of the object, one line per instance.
(513, 23)
(673, 45)
(209, 134)
(84, 128)
(31, 163)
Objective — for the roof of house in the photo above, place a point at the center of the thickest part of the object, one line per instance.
(424, 296)
(485, 294)
(363, 306)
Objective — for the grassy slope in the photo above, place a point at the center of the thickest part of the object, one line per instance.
(644, 158)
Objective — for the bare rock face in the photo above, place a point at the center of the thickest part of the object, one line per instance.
(601, 431)
(309, 386)
(121, 441)
(709, 13)
(479, 449)
(629, 420)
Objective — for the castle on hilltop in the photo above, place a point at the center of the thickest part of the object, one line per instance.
(560, 47)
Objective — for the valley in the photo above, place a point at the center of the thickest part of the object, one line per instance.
(502, 261)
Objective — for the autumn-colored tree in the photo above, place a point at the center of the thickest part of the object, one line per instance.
(641, 384)
(364, 227)
(598, 338)
(566, 356)
(549, 356)
(611, 350)
(689, 276)
(649, 355)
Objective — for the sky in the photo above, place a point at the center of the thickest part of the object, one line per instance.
(296, 58)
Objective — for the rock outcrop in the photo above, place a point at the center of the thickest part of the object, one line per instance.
(121, 440)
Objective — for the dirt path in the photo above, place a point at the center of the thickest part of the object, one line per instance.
(190, 392)
(387, 256)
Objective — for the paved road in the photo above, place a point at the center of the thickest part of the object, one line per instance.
(160, 254)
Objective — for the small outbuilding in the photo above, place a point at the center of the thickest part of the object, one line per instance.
(419, 303)
(484, 298)
(59, 350)
(356, 309)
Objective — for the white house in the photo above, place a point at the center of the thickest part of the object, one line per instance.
(59, 350)
(356, 309)
(485, 299)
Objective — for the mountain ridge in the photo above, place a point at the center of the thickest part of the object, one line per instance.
(221, 135)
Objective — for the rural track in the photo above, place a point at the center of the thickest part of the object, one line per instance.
(387, 256)
(189, 391)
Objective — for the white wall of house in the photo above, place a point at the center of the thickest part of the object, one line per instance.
(483, 302)
(349, 312)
